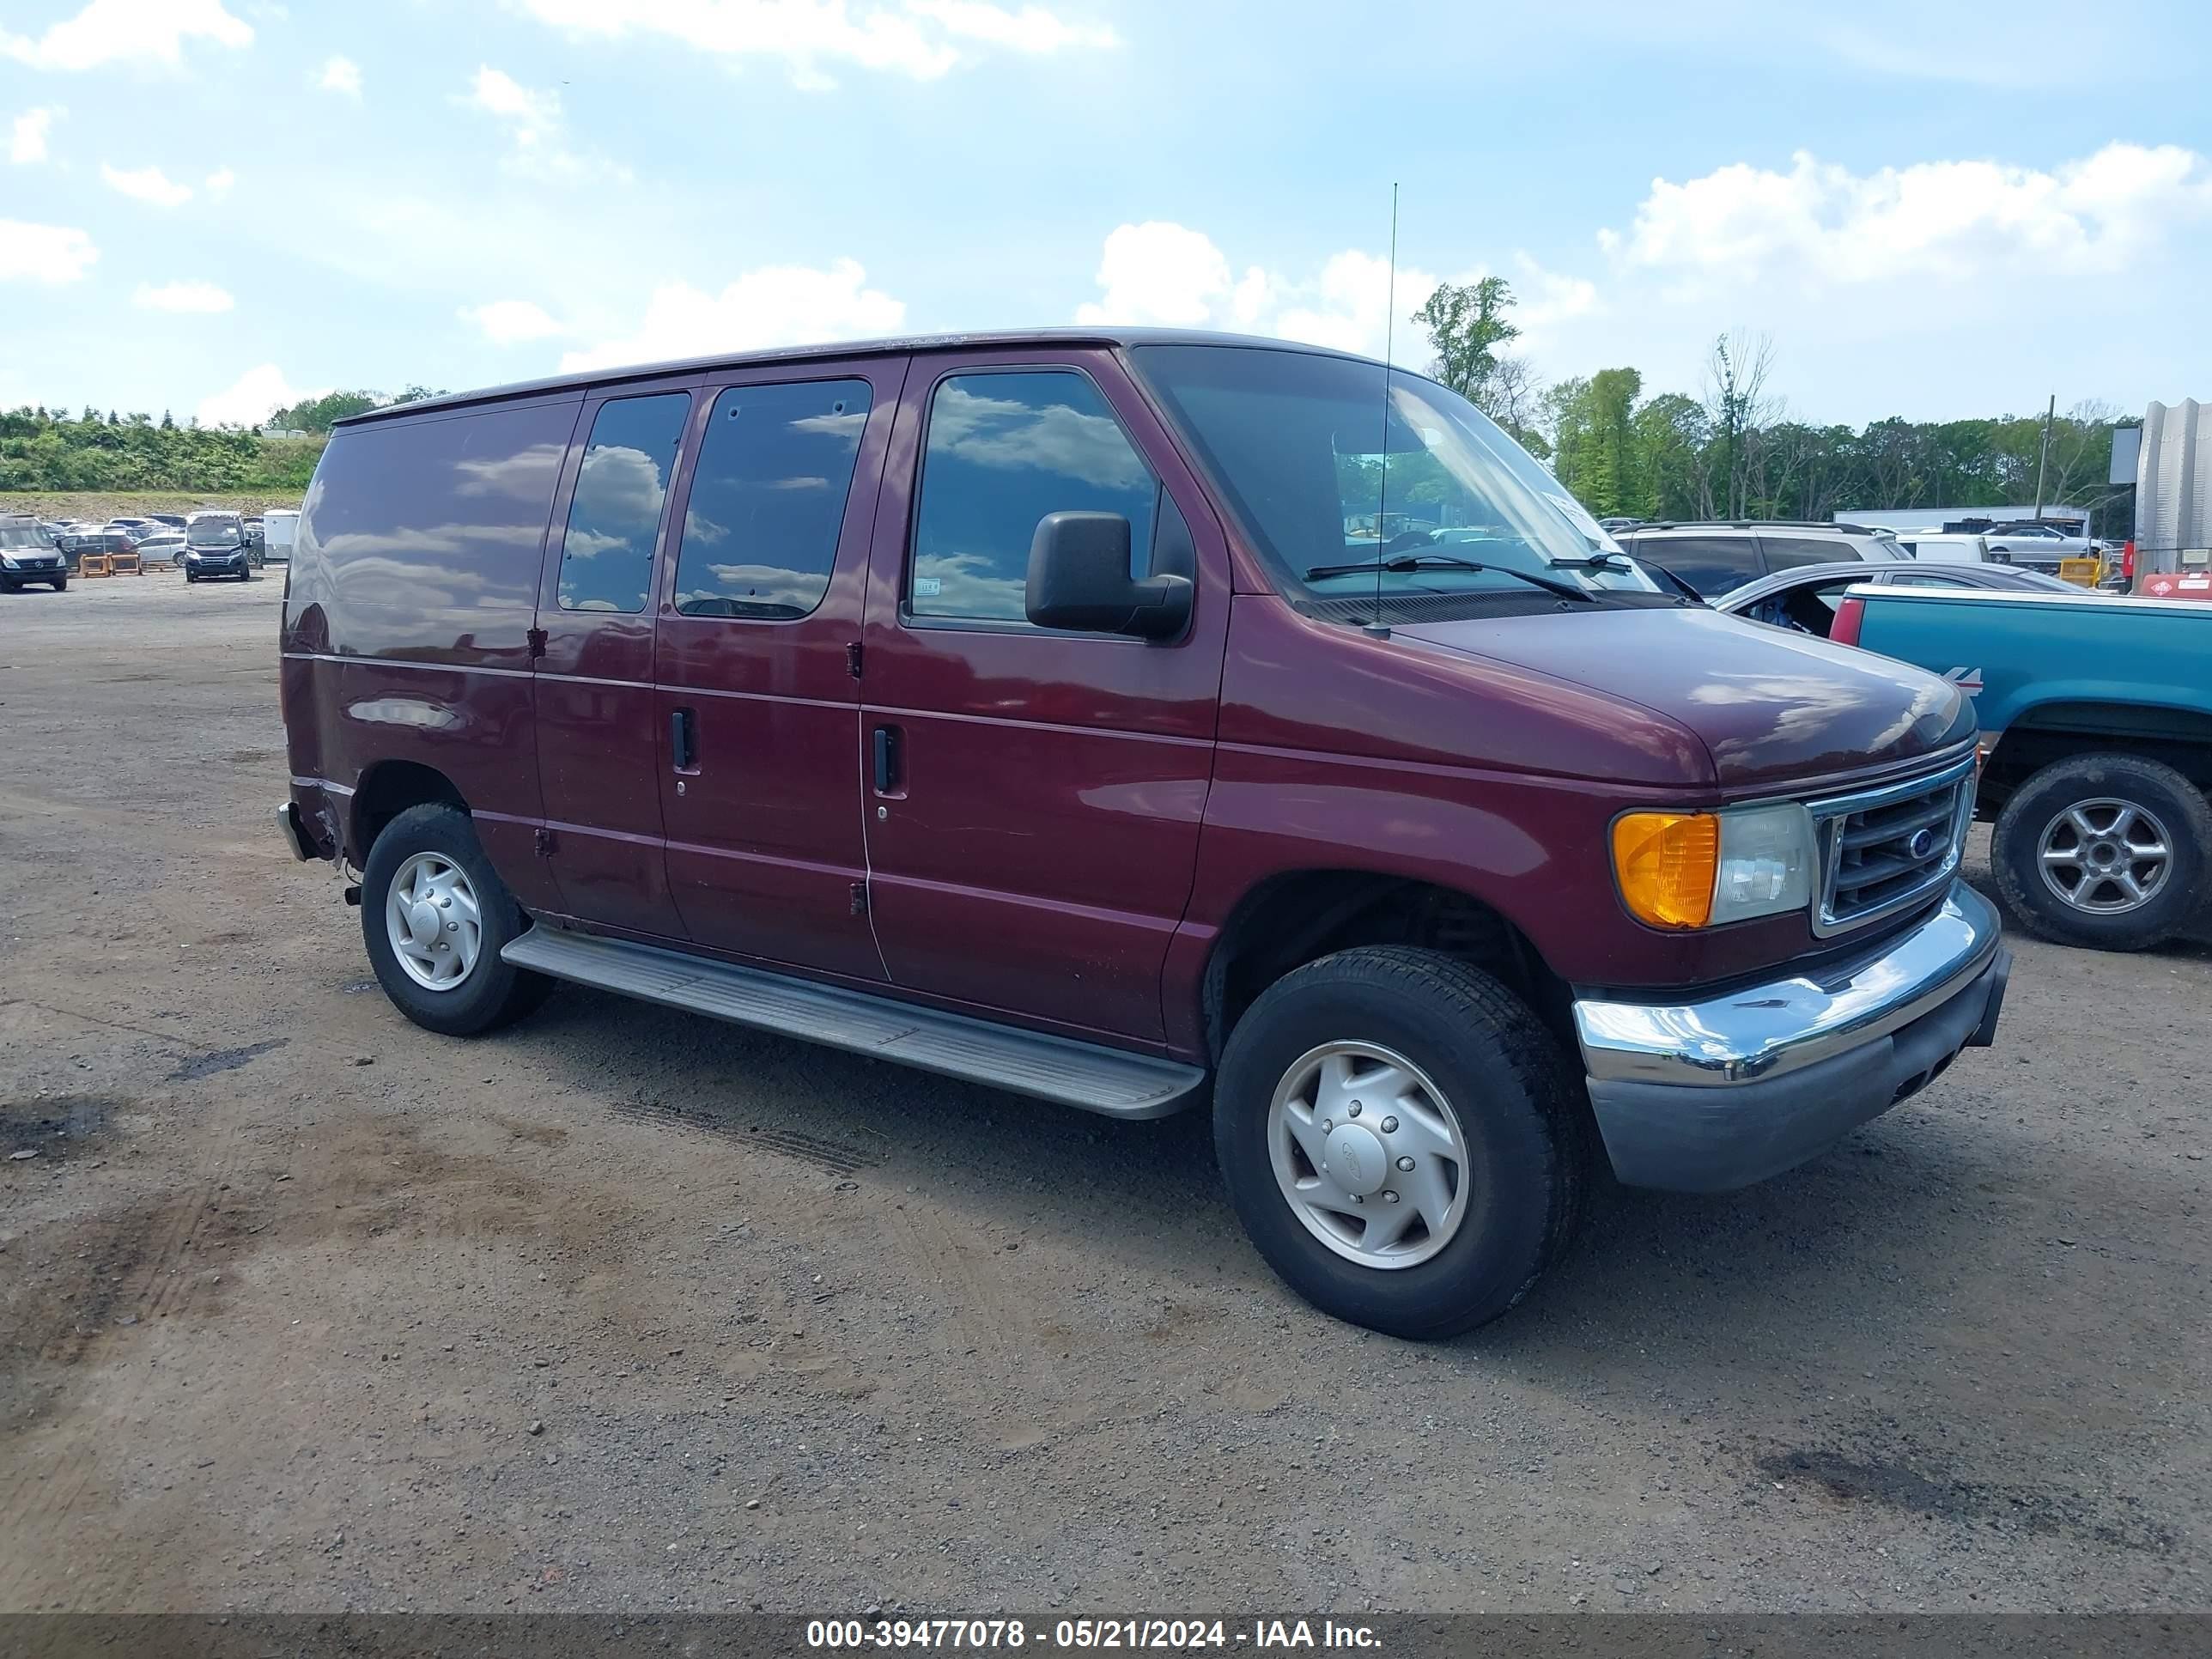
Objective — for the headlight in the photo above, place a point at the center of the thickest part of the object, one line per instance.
(1701, 869)
(9, 560)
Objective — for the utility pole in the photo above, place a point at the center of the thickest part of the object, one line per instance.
(2042, 456)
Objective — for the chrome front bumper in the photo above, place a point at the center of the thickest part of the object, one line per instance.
(1703, 1096)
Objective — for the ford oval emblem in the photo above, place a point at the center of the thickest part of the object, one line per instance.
(1922, 844)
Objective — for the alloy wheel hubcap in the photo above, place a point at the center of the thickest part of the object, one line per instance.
(1368, 1154)
(433, 922)
(2105, 857)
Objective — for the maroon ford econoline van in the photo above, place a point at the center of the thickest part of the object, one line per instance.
(1127, 719)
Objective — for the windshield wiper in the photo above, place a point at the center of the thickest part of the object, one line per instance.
(1620, 561)
(1427, 561)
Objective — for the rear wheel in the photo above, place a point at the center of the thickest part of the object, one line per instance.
(1399, 1135)
(2104, 850)
(434, 916)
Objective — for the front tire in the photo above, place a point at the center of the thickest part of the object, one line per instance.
(435, 915)
(62, 586)
(1399, 1135)
(2103, 850)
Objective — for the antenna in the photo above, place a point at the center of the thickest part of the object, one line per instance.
(1377, 627)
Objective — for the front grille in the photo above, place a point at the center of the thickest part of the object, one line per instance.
(1883, 850)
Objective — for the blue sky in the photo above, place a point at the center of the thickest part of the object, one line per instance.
(211, 206)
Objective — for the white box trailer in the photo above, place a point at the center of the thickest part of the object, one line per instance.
(280, 527)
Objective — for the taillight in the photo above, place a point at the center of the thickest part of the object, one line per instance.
(1845, 630)
(2128, 559)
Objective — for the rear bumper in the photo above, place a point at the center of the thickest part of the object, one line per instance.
(1711, 1095)
(297, 840)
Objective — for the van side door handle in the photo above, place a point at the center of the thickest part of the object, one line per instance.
(886, 747)
(684, 739)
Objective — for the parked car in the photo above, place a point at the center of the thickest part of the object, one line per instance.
(2096, 721)
(1719, 558)
(2039, 544)
(174, 521)
(1070, 731)
(28, 555)
(165, 546)
(214, 546)
(1947, 547)
(1806, 599)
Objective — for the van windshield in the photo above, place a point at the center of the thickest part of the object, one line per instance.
(212, 532)
(1454, 512)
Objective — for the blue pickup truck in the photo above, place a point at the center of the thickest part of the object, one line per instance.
(2096, 715)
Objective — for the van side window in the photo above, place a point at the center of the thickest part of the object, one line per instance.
(1004, 449)
(606, 557)
(768, 498)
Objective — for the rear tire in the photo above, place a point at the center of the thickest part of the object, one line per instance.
(2078, 826)
(1485, 1072)
(491, 992)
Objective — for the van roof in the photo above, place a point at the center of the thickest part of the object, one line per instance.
(837, 348)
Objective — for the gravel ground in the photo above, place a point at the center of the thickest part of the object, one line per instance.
(302, 1309)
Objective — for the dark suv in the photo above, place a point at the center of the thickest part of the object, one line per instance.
(1139, 721)
(1716, 559)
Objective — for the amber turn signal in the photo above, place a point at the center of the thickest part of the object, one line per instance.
(1665, 863)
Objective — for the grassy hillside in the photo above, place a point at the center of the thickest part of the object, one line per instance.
(105, 504)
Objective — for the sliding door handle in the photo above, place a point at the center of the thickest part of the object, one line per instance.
(890, 773)
(684, 739)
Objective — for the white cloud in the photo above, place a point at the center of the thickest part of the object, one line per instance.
(256, 395)
(923, 38)
(776, 305)
(1825, 225)
(43, 254)
(1158, 272)
(341, 76)
(148, 185)
(1031, 29)
(182, 296)
(27, 138)
(497, 92)
(126, 31)
(1162, 273)
(219, 183)
(511, 322)
(534, 126)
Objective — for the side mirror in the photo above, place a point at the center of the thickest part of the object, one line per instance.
(1079, 580)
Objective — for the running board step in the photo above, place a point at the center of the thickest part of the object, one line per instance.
(1082, 1074)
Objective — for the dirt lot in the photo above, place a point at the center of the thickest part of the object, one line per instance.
(303, 1309)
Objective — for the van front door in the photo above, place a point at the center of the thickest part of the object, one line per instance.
(1033, 797)
(598, 742)
(759, 649)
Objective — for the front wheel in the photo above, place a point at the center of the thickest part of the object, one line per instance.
(62, 586)
(2104, 850)
(1399, 1137)
(435, 915)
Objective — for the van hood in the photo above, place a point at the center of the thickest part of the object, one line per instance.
(1769, 706)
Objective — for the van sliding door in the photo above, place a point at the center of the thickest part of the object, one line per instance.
(599, 747)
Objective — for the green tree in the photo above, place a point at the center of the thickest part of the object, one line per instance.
(1467, 327)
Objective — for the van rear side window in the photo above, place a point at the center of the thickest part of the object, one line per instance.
(606, 557)
(768, 498)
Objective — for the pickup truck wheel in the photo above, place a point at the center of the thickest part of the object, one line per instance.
(1399, 1135)
(434, 916)
(2103, 850)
